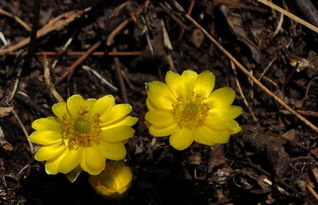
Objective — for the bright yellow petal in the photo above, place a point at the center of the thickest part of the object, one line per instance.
(163, 131)
(52, 166)
(221, 97)
(175, 83)
(113, 151)
(49, 123)
(116, 113)
(93, 161)
(207, 136)
(88, 104)
(159, 95)
(226, 113)
(204, 84)
(103, 105)
(71, 160)
(117, 134)
(46, 137)
(59, 110)
(159, 118)
(181, 139)
(49, 152)
(235, 127)
(127, 121)
(74, 105)
(188, 78)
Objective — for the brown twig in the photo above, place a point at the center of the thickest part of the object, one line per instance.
(121, 26)
(35, 27)
(120, 79)
(242, 94)
(176, 19)
(48, 81)
(17, 19)
(25, 132)
(78, 62)
(244, 70)
(237, 4)
(290, 15)
(189, 13)
(79, 53)
(26, 100)
(55, 24)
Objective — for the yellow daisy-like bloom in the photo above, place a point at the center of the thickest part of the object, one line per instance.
(186, 109)
(83, 134)
(114, 181)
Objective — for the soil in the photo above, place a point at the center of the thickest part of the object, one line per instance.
(115, 47)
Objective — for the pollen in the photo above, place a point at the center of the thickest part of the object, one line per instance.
(190, 112)
(82, 131)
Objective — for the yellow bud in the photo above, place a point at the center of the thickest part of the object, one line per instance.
(113, 181)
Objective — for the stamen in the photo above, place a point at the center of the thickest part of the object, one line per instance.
(82, 131)
(190, 112)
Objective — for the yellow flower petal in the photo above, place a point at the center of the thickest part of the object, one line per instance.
(59, 110)
(52, 166)
(226, 113)
(127, 121)
(116, 113)
(181, 139)
(74, 105)
(49, 152)
(159, 95)
(49, 123)
(71, 160)
(113, 151)
(103, 105)
(207, 136)
(163, 131)
(188, 78)
(221, 97)
(159, 118)
(175, 84)
(235, 127)
(117, 134)
(45, 137)
(204, 84)
(93, 161)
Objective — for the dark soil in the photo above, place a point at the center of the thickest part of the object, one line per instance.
(274, 147)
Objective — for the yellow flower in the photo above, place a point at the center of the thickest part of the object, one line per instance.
(114, 181)
(83, 134)
(186, 108)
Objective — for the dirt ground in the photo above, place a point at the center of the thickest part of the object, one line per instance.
(97, 47)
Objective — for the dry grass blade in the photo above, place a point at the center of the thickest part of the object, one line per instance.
(244, 70)
(290, 15)
(55, 24)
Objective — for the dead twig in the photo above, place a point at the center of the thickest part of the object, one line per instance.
(78, 62)
(176, 19)
(100, 77)
(25, 132)
(16, 18)
(79, 53)
(120, 79)
(35, 27)
(242, 94)
(244, 70)
(48, 81)
(55, 24)
(290, 15)
(189, 13)
(121, 26)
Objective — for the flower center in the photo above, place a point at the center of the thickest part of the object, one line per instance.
(190, 112)
(81, 131)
